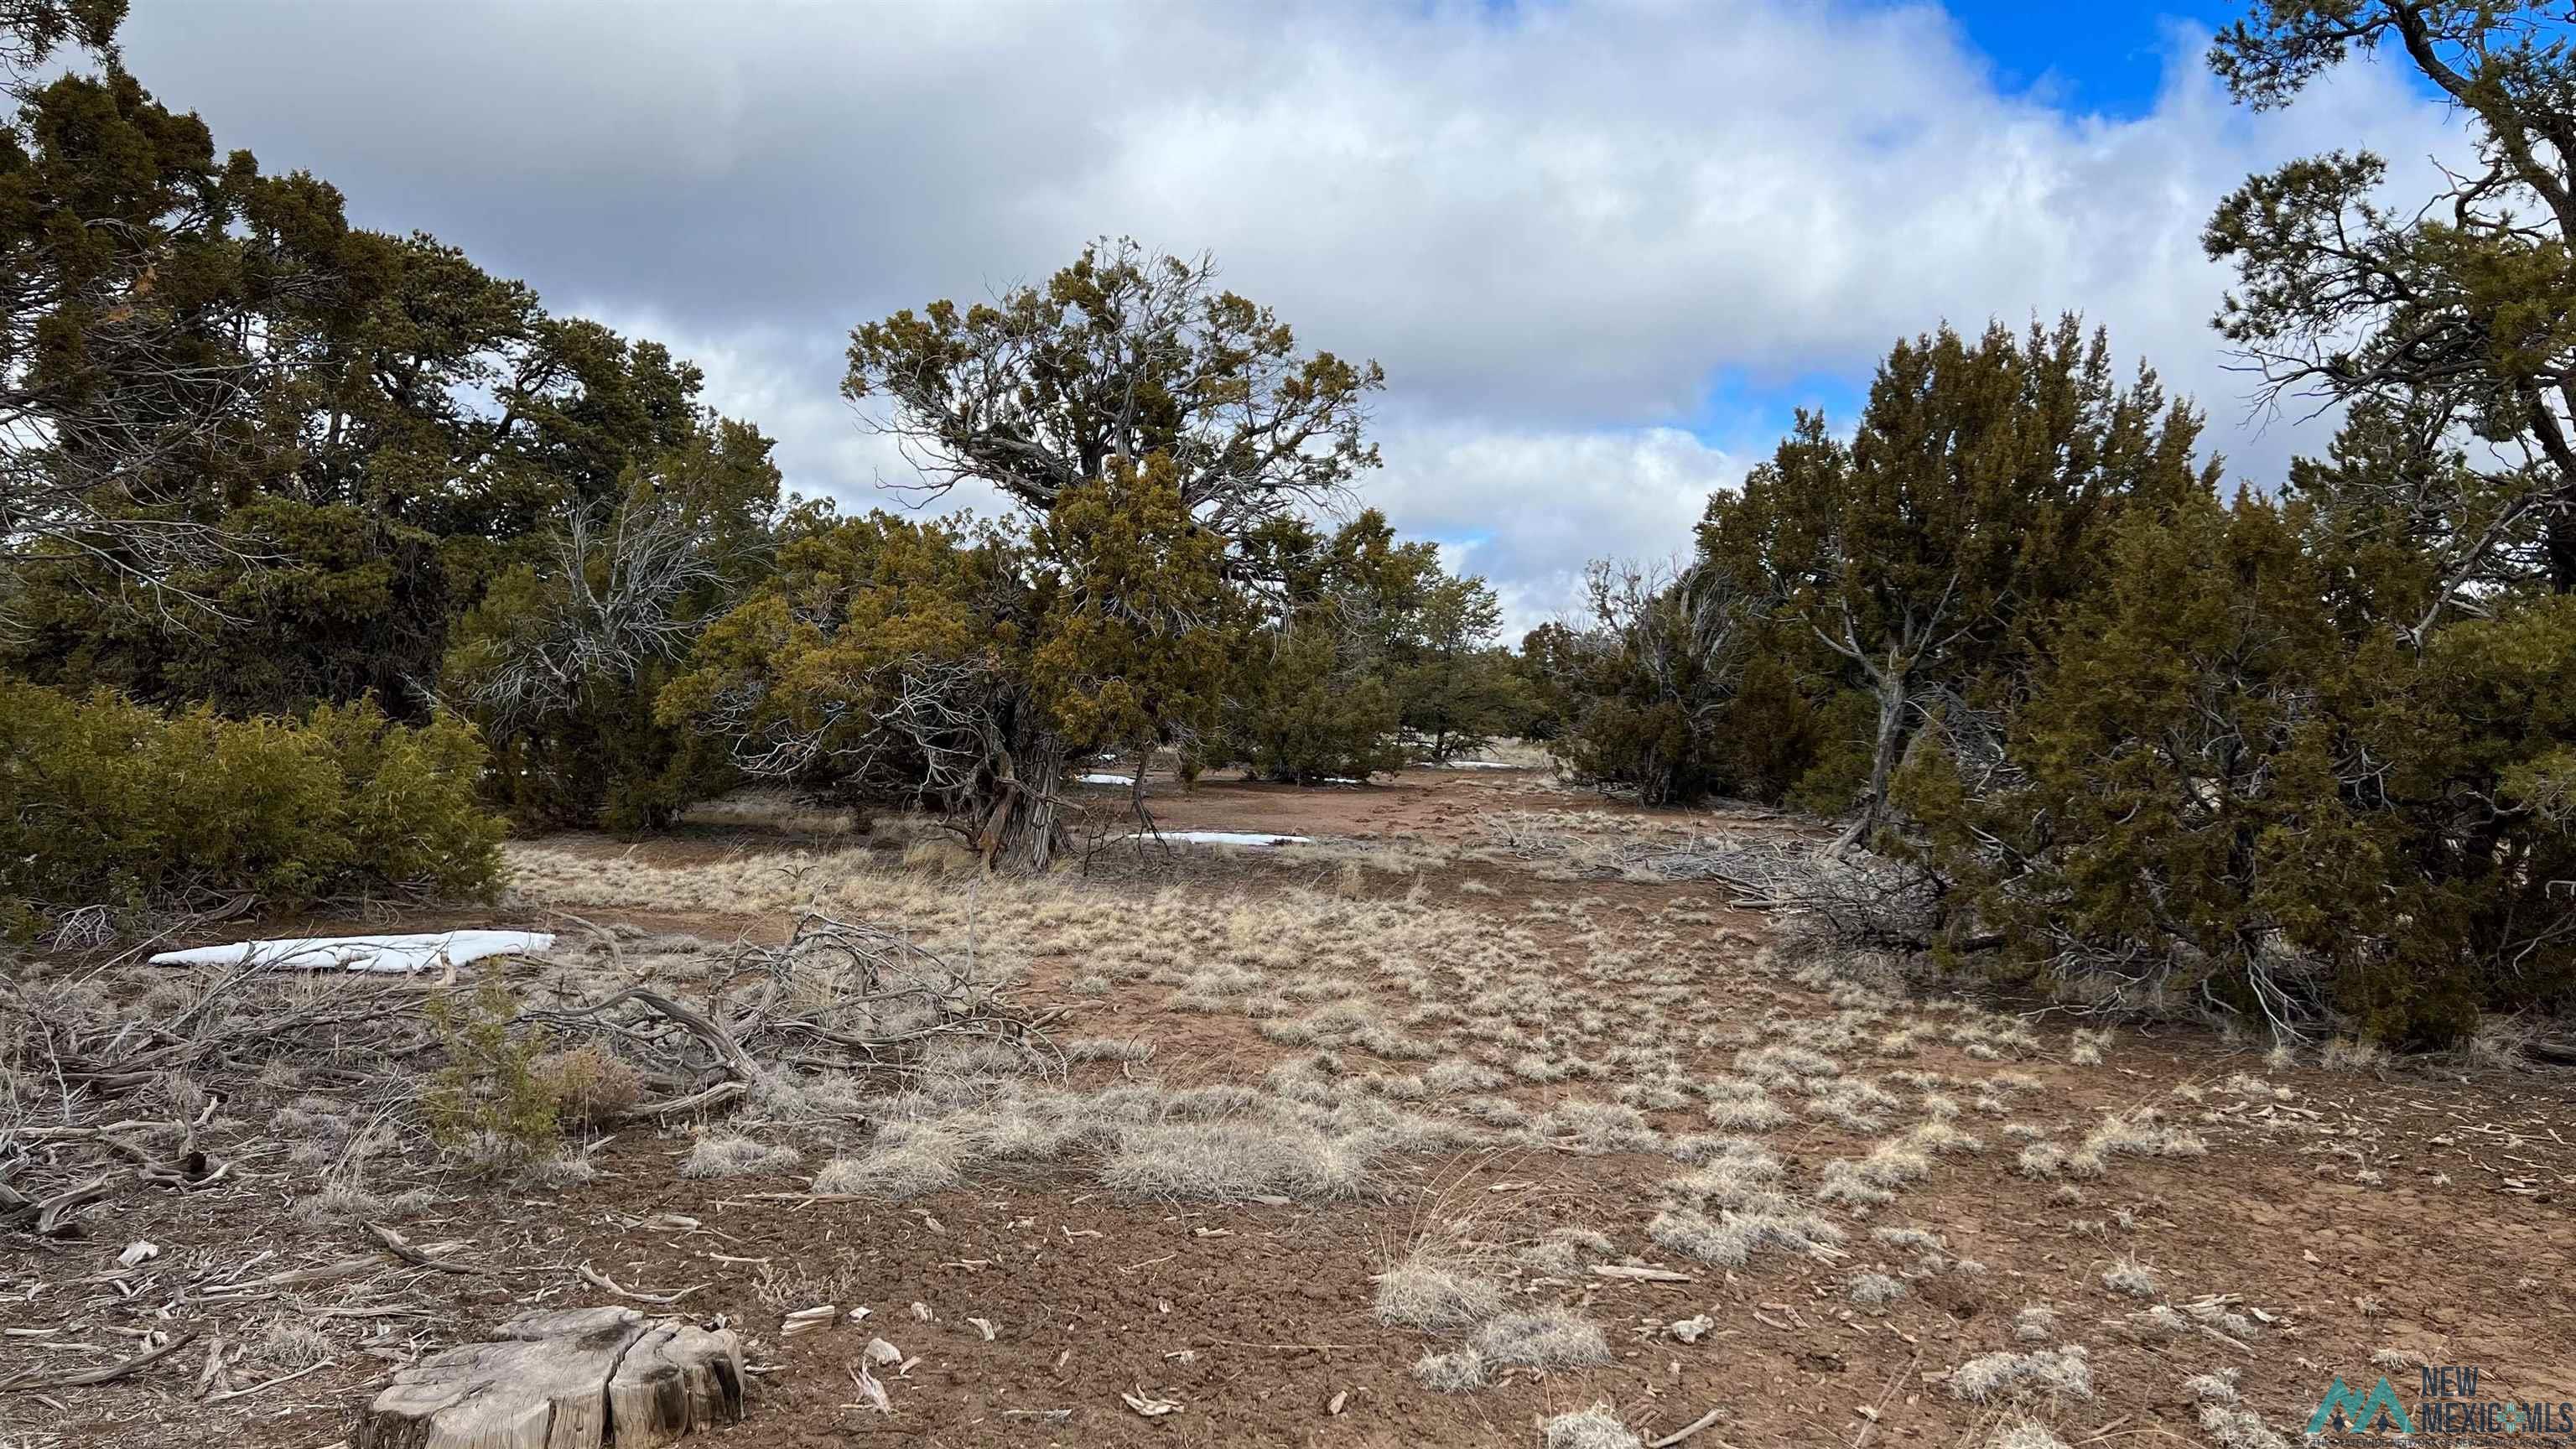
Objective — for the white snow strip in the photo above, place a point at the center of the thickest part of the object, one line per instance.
(1468, 765)
(1105, 779)
(1225, 837)
(390, 955)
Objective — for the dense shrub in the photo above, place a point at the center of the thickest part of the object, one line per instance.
(107, 802)
(2225, 787)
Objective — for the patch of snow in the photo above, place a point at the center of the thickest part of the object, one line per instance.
(1105, 779)
(1225, 837)
(389, 955)
(1468, 765)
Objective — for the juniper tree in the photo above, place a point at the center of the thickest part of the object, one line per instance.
(2441, 314)
(1961, 513)
(1123, 366)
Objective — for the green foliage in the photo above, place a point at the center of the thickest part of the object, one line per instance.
(1964, 512)
(317, 603)
(494, 1099)
(1132, 627)
(1301, 711)
(104, 801)
(2222, 784)
(1368, 639)
(563, 659)
(2449, 310)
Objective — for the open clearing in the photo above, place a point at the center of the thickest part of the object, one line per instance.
(1459, 1119)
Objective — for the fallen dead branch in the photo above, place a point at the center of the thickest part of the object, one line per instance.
(32, 1383)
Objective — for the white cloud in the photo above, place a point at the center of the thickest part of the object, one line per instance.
(1555, 224)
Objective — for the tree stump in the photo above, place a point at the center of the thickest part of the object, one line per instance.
(575, 1378)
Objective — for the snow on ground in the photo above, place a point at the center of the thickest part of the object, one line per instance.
(1105, 779)
(391, 955)
(1468, 765)
(1224, 837)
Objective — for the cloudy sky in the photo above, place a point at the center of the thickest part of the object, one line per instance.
(1603, 249)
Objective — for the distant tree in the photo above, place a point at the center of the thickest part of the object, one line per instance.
(1650, 677)
(1314, 694)
(2441, 320)
(1458, 692)
(1131, 406)
(964, 665)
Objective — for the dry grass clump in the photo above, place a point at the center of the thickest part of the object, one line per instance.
(557, 1171)
(1917, 1240)
(2066, 1371)
(2131, 1277)
(1234, 1161)
(2035, 1324)
(2086, 1048)
(289, 1344)
(1457, 1074)
(730, 1154)
(1872, 1290)
(2235, 1428)
(2216, 1388)
(2138, 1133)
(1106, 1049)
(1872, 1180)
(1549, 1338)
(1594, 1128)
(1593, 1428)
(1563, 1252)
(1855, 1102)
(906, 1161)
(2041, 1159)
(1759, 1116)
(1732, 1238)
(1458, 1371)
(1431, 1296)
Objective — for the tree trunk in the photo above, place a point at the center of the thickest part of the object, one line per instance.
(1024, 825)
(1891, 682)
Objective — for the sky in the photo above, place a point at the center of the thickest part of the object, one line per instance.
(1604, 248)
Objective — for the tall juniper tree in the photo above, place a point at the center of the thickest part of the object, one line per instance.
(1961, 512)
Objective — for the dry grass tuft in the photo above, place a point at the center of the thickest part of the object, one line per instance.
(730, 1154)
(1732, 1238)
(1425, 1294)
(1593, 1428)
(1455, 1372)
(2061, 1372)
(1234, 1161)
(2025, 1433)
(1549, 1338)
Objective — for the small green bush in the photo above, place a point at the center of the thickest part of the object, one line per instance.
(107, 802)
(498, 1096)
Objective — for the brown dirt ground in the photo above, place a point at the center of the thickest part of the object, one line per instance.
(1258, 1318)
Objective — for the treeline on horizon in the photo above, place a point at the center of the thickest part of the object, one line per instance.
(404, 555)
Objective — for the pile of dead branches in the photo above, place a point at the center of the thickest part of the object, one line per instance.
(120, 1075)
(837, 997)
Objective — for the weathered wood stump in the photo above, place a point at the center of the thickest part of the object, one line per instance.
(575, 1378)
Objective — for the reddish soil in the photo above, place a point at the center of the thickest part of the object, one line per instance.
(1257, 1319)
